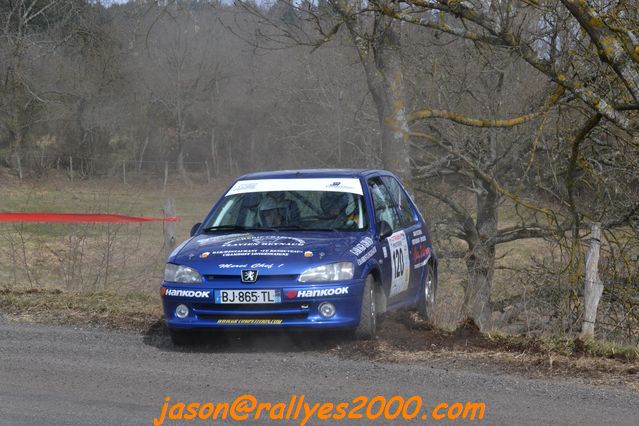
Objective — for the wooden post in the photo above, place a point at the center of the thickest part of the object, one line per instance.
(166, 174)
(71, 167)
(208, 172)
(124, 171)
(593, 287)
(169, 227)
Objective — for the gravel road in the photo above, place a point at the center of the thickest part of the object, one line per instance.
(63, 375)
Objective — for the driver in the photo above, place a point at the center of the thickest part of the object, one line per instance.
(271, 212)
(334, 206)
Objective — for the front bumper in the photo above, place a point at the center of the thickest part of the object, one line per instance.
(298, 308)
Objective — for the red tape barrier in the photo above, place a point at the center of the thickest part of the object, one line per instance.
(77, 217)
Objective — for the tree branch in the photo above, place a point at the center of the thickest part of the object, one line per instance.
(464, 218)
(483, 176)
(611, 50)
(572, 165)
(479, 122)
(527, 53)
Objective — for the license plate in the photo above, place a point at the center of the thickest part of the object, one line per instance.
(248, 296)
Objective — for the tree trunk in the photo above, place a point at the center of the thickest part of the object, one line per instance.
(180, 155)
(481, 266)
(480, 262)
(180, 164)
(385, 79)
(144, 146)
(214, 156)
(16, 97)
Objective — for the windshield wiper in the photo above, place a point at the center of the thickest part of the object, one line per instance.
(225, 228)
(271, 229)
(301, 228)
(235, 228)
(289, 228)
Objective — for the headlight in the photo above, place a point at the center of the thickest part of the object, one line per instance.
(181, 274)
(331, 272)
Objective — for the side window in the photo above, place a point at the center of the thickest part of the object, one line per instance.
(400, 201)
(383, 204)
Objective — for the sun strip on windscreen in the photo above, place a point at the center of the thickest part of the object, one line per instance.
(350, 185)
(79, 217)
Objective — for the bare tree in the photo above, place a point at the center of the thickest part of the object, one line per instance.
(185, 72)
(377, 42)
(29, 31)
(591, 63)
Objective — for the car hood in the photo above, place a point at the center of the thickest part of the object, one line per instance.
(271, 254)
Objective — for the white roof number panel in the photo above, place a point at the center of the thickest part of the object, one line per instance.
(351, 185)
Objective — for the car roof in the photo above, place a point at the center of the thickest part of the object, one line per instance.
(314, 173)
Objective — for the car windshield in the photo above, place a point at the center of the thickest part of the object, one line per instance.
(290, 210)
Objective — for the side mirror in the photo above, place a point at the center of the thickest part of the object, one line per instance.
(195, 227)
(383, 230)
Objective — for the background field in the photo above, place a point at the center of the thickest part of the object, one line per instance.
(93, 257)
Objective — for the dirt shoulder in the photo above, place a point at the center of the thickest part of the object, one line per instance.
(402, 339)
(405, 339)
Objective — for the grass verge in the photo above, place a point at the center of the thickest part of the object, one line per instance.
(128, 311)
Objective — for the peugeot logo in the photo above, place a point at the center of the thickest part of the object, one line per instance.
(249, 275)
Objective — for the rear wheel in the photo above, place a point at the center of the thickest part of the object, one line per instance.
(182, 337)
(426, 304)
(367, 328)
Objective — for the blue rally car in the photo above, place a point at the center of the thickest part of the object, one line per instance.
(320, 249)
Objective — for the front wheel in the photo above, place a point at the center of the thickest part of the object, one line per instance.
(367, 328)
(426, 304)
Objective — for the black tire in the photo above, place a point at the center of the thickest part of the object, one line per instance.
(426, 303)
(367, 327)
(181, 337)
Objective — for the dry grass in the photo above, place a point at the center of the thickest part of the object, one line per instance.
(127, 311)
(93, 257)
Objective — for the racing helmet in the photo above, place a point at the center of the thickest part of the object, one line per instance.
(334, 203)
(270, 206)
